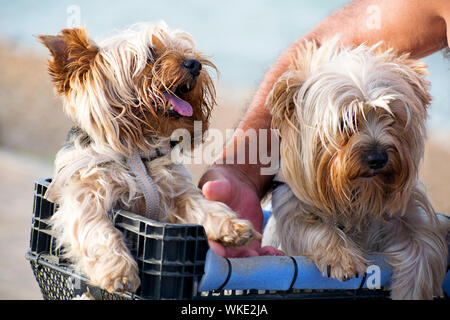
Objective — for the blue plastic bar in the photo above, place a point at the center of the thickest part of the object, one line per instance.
(283, 273)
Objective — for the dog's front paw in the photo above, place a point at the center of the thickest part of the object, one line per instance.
(236, 233)
(342, 265)
(115, 274)
(126, 282)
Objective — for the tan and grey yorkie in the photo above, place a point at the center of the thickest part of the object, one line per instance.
(352, 128)
(126, 96)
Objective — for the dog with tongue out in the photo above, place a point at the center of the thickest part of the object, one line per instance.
(127, 95)
(182, 107)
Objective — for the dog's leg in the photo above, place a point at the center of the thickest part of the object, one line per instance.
(416, 248)
(334, 254)
(301, 233)
(89, 239)
(220, 222)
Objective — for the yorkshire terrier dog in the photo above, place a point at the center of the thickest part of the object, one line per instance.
(352, 129)
(126, 96)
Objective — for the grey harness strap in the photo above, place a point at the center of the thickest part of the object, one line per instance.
(279, 178)
(136, 165)
(149, 188)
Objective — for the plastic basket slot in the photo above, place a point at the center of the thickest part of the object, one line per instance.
(124, 226)
(155, 232)
(131, 241)
(201, 248)
(47, 209)
(37, 206)
(174, 250)
(152, 249)
(169, 263)
(43, 230)
(40, 189)
(179, 238)
(171, 231)
(43, 226)
(42, 208)
(181, 232)
(167, 238)
(128, 223)
(42, 242)
(166, 287)
(165, 270)
(168, 274)
(41, 185)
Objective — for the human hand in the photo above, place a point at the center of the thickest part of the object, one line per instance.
(227, 185)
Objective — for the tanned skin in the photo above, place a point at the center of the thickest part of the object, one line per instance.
(415, 26)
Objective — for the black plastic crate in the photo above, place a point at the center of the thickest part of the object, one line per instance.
(41, 238)
(170, 257)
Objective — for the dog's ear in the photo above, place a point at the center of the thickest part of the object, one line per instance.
(414, 72)
(73, 54)
(158, 46)
(281, 99)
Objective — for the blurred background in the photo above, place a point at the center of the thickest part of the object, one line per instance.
(243, 39)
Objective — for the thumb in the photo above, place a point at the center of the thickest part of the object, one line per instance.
(217, 190)
(215, 185)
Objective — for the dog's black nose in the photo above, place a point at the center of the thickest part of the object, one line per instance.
(376, 159)
(193, 66)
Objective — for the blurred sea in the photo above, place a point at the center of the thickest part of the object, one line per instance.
(243, 37)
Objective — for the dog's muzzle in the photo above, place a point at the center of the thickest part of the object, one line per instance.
(375, 159)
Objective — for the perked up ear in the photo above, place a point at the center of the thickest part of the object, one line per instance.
(73, 54)
(158, 46)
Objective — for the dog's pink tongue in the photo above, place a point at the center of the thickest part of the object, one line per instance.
(181, 106)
